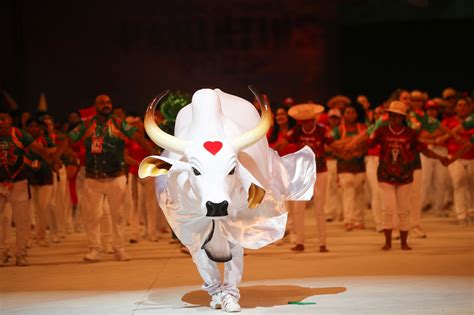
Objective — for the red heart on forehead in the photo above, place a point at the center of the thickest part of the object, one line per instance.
(213, 146)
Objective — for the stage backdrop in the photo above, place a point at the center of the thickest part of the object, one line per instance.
(73, 51)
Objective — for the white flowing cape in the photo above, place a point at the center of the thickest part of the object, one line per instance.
(292, 178)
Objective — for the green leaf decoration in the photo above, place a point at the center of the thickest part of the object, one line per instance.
(170, 107)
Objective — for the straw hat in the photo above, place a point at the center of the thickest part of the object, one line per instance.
(339, 99)
(397, 107)
(449, 92)
(334, 113)
(416, 95)
(305, 111)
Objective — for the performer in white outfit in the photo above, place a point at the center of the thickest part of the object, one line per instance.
(222, 188)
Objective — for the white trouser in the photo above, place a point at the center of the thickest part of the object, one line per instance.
(462, 175)
(144, 206)
(433, 180)
(58, 205)
(371, 165)
(113, 189)
(7, 218)
(352, 186)
(395, 202)
(19, 200)
(298, 208)
(415, 197)
(211, 275)
(80, 190)
(333, 205)
(40, 197)
(128, 200)
(106, 223)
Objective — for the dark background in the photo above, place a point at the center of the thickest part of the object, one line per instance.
(307, 49)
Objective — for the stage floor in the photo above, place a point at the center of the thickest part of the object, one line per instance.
(356, 277)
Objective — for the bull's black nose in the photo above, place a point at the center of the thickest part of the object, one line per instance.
(217, 209)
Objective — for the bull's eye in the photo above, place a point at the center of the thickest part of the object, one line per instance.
(196, 172)
(232, 171)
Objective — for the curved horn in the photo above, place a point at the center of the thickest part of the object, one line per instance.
(161, 138)
(252, 136)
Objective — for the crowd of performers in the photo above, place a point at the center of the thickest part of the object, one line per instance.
(408, 154)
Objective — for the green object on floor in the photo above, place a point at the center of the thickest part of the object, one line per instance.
(301, 303)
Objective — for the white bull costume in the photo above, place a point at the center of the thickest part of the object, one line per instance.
(220, 185)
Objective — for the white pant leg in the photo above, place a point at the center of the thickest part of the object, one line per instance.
(459, 176)
(372, 163)
(41, 196)
(233, 270)
(403, 206)
(469, 164)
(115, 192)
(105, 223)
(427, 171)
(150, 205)
(438, 184)
(389, 204)
(209, 272)
(359, 205)
(333, 192)
(61, 201)
(19, 200)
(92, 209)
(298, 209)
(395, 203)
(82, 203)
(128, 201)
(348, 187)
(7, 218)
(320, 201)
(134, 215)
(416, 198)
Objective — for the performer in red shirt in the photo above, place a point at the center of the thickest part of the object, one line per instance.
(314, 135)
(398, 148)
(461, 170)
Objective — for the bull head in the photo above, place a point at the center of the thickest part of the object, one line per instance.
(212, 164)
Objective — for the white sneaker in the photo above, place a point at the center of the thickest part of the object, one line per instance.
(4, 258)
(55, 238)
(216, 301)
(417, 232)
(42, 243)
(120, 255)
(92, 256)
(108, 249)
(230, 304)
(21, 261)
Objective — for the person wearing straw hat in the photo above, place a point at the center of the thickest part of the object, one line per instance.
(417, 120)
(398, 146)
(339, 102)
(314, 135)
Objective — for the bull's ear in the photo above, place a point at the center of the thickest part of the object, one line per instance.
(255, 196)
(255, 190)
(157, 165)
